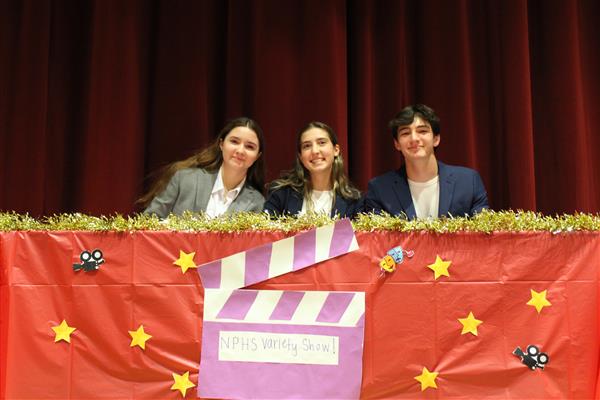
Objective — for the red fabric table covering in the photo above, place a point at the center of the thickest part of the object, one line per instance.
(411, 319)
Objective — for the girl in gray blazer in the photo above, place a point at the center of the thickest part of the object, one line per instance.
(225, 177)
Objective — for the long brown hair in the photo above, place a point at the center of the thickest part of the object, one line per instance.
(210, 159)
(298, 178)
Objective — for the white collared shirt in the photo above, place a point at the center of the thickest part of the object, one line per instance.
(219, 200)
(322, 202)
(426, 197)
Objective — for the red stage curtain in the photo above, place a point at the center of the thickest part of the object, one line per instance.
(96, 94)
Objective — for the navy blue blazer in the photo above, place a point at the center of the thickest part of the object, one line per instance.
(286, 200)
(461, 193)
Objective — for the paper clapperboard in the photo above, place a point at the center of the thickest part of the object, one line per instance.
(281, 344)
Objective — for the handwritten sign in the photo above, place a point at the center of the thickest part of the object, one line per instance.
(278, 348)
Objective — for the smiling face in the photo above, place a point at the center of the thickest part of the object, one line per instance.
(240, 149)
(416, 141)
(317, 151)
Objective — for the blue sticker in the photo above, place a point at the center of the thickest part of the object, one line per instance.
(393, 258)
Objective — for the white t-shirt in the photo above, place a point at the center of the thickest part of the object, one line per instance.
(322, 202)
(426, 197)
(220, 201)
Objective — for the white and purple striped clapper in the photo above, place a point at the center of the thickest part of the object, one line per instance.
(273, 259)
(281, 344)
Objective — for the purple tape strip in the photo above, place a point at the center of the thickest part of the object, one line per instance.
(304, 249)
(257, 264)
(334, 307)
(361, 320)
(238, 304)
(210, 274)
(286, 306)
(342, 238)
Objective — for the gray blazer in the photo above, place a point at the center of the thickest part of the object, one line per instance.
(190, 188)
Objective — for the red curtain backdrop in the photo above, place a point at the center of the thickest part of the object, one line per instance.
(94, 95)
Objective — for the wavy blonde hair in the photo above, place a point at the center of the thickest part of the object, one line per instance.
(298, 178)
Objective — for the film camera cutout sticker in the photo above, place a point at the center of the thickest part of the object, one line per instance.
(90, 260)
(532, 357)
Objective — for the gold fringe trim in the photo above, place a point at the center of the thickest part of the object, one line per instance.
(485, 222)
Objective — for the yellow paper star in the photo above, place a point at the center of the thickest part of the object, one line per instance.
(470, 324)
(139, 337)
(440, 267)
(182, 382)
(185, 261)
(538, 300)
(63, 332)
(427, 379)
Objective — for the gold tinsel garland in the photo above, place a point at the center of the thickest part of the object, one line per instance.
(487, 222)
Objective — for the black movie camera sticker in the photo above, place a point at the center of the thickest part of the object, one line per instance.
(533, 358)
(90, 261)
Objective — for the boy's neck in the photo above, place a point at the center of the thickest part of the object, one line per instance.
(422, 170)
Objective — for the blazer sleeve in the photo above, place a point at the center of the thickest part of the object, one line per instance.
(162, 205)
(353, 207)
(358, 206)
(480, 200)
(371, 201)
(275, 203)
(257, 201)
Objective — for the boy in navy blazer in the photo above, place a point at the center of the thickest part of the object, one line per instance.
(424, 187)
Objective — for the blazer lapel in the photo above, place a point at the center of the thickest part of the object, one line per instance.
(447, 183)
(402, 191)
(240, 203)
(204, 184)
(295, 201)
(339, 206)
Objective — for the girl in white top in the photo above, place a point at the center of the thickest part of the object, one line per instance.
(317, 183)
